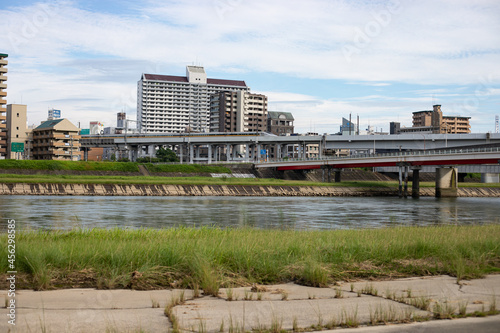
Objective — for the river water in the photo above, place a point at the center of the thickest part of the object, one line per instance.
(302, 213)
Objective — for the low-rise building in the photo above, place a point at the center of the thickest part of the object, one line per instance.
(56, 140)
(433, 121)
(280, 123)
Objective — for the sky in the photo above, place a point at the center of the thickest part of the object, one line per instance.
(321, 60)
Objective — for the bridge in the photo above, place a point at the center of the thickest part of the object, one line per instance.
(248, 147)
(445, 160)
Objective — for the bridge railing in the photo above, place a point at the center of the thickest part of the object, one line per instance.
(453, 151)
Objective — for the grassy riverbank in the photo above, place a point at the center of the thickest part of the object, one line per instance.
(209, 258)
(156, 180)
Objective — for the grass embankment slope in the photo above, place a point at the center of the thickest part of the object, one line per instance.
(209, 258)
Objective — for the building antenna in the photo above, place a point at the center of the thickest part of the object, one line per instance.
(496, 124)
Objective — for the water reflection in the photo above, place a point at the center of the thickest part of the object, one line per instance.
(68, 212)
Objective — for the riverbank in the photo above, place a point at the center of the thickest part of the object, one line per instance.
(369, 190)
(211, 258)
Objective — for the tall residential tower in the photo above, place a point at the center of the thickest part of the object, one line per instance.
(174, 104)
(3, 111)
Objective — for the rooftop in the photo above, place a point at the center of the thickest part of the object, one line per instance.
(173, 78)
(49, 123)
(277, 114)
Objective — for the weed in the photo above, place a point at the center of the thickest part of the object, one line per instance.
(229, 294)
(154, 303)
(202, 326)
(284, 295)
(408, 293)
(369, 289)
(443, 310)
(352, 287)
(350, 319)
(221, 327)
(276, 324)
(332, 323)
(314, 275)
(422, 302)
(259, 296)
(462, 308)
(248, 295)
(295, 324)
(359, 293)
(339, 293)
(493, 305)
(196, 290)
(311, 296)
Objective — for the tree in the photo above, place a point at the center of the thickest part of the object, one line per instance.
(166, 155)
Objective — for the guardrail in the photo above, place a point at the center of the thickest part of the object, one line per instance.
(397, 154)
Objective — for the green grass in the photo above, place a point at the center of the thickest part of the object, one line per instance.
(187, 168)
(213, 257)
(68, 165)
(84, 179)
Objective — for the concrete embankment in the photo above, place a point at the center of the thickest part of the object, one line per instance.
(219, 190)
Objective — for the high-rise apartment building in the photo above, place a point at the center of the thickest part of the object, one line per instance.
(173, 104)
(433, 121)
(238, 111)
(3, 101)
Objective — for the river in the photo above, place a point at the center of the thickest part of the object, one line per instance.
(302, 213)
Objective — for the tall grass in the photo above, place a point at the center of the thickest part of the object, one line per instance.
(211, 257)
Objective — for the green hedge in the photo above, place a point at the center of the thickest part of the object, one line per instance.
(187, 168)
(68, 165)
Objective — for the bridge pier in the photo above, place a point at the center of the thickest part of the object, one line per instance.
(489, 178)
(403, 171)
(446, 182)
(338, 175)
(415, 184)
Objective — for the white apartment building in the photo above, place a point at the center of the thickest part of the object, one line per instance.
(174, 104)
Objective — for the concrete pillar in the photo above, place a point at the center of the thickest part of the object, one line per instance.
(400, 187)
(197, 148)
(247, 152)
(228, 152)
(405, 193)
(209, 154)
(85, 154)
(489, 178)
(191, 154)
(151, 151)
(130, 154)
(446, 182)
(181, 153)
(258, 152)
(415, 184)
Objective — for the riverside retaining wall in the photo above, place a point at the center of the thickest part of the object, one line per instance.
(218, 190)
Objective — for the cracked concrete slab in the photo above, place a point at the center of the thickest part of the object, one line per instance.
(478, 294)
(255, 315)
(88, 310)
